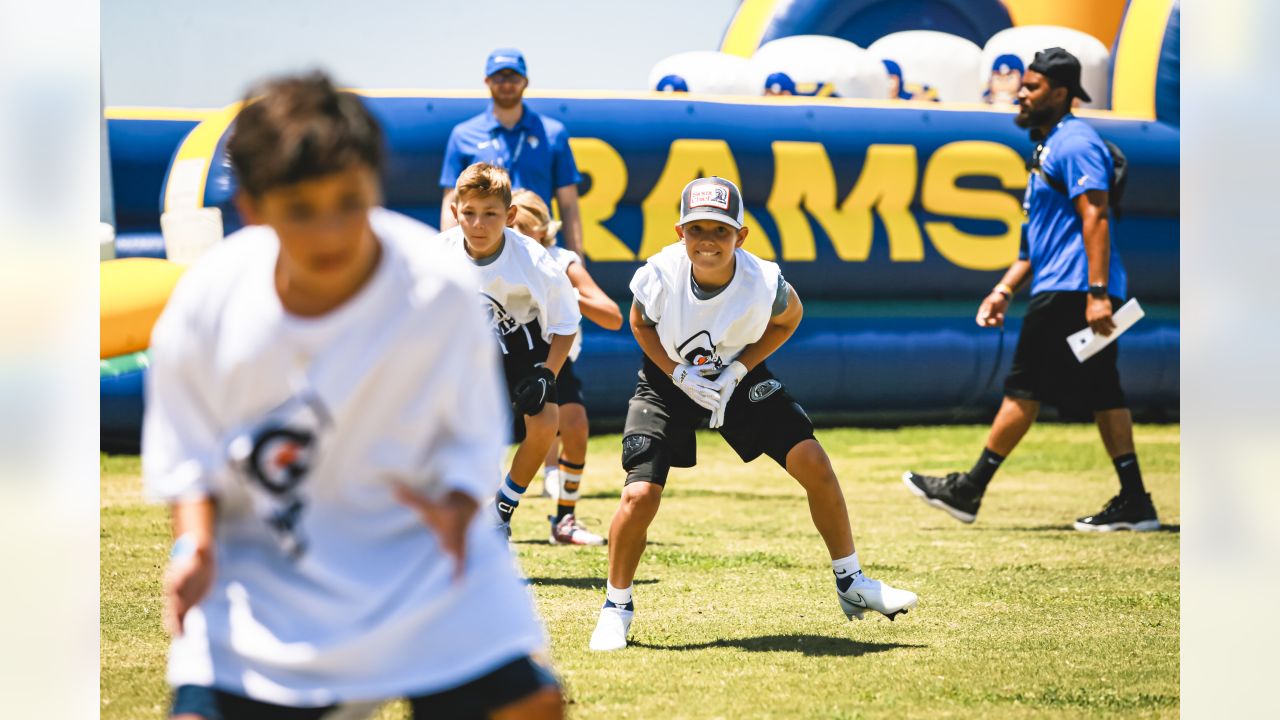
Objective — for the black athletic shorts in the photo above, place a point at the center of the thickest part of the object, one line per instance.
(1045, 369)
(474, 700)
(762, 419)
(568, 386)
(523, 349)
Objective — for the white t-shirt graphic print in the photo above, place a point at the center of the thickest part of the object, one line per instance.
(714, 330)
(519, 285)
(326, 588)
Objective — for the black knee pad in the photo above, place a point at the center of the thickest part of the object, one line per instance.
(646, 459)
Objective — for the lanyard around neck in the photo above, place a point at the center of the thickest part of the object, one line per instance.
(515, 156)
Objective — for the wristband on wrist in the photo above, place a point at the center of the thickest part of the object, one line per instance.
(1004, 290)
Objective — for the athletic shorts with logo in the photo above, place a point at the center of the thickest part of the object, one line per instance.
(762, 419)
(1044, 368)
(524, 349)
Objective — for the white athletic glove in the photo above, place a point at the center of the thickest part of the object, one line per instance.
(690, 379)
(725, 385)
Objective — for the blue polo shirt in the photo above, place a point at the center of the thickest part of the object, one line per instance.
(536, 152)
(1074, 155)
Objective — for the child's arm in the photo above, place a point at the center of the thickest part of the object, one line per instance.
(559, 352)
(647, 335)
(596, 306)
(191, 564)
(779, 330)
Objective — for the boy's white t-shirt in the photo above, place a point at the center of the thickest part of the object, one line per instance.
(522, 283)
(350, 597)
(696, 331)
(564, 258)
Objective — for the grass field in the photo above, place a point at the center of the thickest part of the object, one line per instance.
(1019, 615)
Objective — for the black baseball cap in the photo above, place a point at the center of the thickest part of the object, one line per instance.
(1062, 68)
(711, 198)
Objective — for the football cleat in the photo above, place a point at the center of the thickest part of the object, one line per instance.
(952, 494)
(568, 531)
(1123, 512)
(859, 593)
(612, 627)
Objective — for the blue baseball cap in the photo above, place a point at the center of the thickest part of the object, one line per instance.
(505, 59)
(1007, 63)
(672, 83)
(780, 82)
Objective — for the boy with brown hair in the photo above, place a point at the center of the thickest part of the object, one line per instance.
(532, 311)
(303, 427)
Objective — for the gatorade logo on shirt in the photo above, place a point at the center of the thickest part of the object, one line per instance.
(701, 350)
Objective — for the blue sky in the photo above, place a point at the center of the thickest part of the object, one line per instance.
(196, 53)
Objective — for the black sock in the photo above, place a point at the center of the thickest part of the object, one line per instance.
(1130, 474)
(985, 468)
(505, 507)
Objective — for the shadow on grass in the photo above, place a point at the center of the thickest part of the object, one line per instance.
(810, 645)
(1170, 529)
(581, 583)
(543, 541)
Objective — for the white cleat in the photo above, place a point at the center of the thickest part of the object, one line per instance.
(571, 532)
(859, 593)
(612, 627)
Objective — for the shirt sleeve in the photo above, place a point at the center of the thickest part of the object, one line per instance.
(471, 430)
(559, 302)
(182, 447)
(781, 298)
(455, 161)
(564, 171)
(1083, 166)
(646, 286)
(644, 315)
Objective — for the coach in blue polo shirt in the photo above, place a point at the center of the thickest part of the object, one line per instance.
(534, 149)
(1076, 279)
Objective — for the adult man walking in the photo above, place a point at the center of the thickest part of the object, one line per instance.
(1077, 277)
(532, 148)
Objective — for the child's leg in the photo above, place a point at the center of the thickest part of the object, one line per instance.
(551, 469)
(540, 430)
(629, 531)
(573, 457)
(808, 463)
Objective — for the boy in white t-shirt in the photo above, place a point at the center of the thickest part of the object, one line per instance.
(532, 311)
(707, 314)
(304, 420)
(562, 474)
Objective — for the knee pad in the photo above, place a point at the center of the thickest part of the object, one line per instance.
(645, 459)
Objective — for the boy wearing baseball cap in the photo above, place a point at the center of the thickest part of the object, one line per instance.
(707, 314)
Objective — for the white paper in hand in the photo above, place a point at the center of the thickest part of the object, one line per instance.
(1085, 343)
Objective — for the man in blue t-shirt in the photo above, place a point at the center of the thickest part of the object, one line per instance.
(532, 148)
(1077, 278)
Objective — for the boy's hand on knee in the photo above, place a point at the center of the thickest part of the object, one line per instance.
(532, 392)
(725, 385)
(690, 379)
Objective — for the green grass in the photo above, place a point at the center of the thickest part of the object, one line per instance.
(1019, 615)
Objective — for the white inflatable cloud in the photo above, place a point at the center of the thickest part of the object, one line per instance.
(943, 62)
(821, 66)
(1026, 41)
(704, 71)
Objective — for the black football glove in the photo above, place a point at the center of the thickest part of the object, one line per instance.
(533, 391)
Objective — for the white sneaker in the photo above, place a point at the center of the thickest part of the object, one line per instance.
(612, 627)
(859, 593)
(571, 532)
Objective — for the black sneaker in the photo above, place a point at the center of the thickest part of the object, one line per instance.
(1123, 512)
(953, 493)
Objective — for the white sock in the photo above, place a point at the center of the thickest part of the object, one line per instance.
(511, 491)
(617, 596)
(846, 565)
(551, 476)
